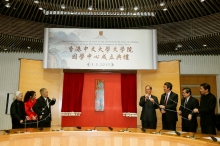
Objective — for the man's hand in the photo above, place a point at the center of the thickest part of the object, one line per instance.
(190, 117)
(179, 112)
(146, 96)
(21, 121)
(53, 98)
(195, 110)
(162, 106)
(40, 117)
(27, 118)
(152, 100)
(163, 111)
(34, 118)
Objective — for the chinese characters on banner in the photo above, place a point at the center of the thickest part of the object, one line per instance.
(100, 49)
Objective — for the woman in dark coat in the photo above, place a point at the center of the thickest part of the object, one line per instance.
(17, 111)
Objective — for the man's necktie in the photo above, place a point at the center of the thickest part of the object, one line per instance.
(185, 102)
(165, 101)
(47, 103)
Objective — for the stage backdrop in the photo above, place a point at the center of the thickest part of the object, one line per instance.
(129, 49)
(112, 115)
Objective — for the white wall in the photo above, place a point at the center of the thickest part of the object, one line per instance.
(10, 65)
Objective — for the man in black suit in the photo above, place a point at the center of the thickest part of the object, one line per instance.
(43, 108)
(188, 103)
(148, 103)
(207, 110)
(168, 103)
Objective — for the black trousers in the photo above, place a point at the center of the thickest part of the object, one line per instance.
(188, 128)
(42, 124)
(208, 129)
(169, 125)
(149, 125)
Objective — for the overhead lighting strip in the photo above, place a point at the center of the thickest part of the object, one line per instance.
(153, 14)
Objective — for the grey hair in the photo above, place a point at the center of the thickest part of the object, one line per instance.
(42, 90)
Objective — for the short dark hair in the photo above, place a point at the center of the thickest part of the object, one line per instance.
(169, 85)
(188, 90)
(148, 86)
(205, 86)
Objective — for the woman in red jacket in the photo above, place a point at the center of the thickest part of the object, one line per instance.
(31, 116)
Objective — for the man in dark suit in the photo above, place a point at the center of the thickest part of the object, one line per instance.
(148, 103)
(168, 103)
(43, 108)
(188, 103)
(207, 110)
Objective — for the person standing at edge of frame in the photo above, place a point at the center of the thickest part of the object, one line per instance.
(207, 110)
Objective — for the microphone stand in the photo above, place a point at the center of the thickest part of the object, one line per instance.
(7, 131)
(177, 133)
(25, 125)
(143, 129)
(214, 139)
(126, 130)
(157, 132)
(94, 128)
(110, 128)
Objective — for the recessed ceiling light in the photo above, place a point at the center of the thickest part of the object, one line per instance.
(202, 0)
(162, 4)
(63, 6)
(179, 46)
(7, 0)
(121, 8)
(40, 8)
(136, 8)
(176, 48)
(164, 9)
(8, 5)
(90, 8)
(5, 49)
(204, 45)
(36, 1)
(28, 47)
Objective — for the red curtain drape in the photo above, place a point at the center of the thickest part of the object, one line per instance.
(129, 93)
(72, 92)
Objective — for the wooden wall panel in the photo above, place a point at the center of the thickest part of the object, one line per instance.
(166, 72)
(34, 77)
(194, 81)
